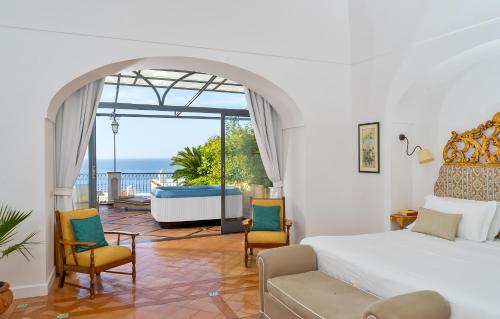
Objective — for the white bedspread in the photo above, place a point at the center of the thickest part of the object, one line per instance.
(466, 273)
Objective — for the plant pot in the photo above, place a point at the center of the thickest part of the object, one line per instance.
(6, 297)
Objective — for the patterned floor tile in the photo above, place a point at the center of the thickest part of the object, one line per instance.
(174, 279)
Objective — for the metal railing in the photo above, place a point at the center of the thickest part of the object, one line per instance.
(140, 182)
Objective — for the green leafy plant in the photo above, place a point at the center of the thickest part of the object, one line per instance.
(190, 159)
(10, 219)
(201, 165)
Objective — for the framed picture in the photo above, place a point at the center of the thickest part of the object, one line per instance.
(369, 147)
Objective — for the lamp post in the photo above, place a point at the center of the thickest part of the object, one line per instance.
(114, 128)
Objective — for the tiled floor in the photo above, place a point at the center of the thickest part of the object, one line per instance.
(188, 278)
(142, 221)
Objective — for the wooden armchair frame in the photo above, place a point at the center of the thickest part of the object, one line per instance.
(92, 270)
(247, 225)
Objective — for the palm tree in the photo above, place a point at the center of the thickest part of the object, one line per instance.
(190, 160)
(9, 220)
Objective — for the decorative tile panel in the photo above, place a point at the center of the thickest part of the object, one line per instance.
(469, 182)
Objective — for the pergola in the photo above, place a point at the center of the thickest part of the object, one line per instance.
(164, 82)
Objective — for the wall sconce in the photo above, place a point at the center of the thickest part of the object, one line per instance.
(424, 155)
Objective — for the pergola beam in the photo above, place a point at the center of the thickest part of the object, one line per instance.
(173, 108)
(162, 116)
(173, 79)
(204, 87)
(177, 88)
(197, 95)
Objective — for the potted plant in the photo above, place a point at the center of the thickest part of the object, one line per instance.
(10, 219)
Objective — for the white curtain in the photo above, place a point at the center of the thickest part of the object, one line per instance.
(269, 137)
(74, 124)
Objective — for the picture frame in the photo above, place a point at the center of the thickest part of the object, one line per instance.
(369, 147)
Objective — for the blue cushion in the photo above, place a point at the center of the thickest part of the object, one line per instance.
(88, 230)
(266, 218)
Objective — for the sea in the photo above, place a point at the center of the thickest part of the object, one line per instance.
(131, 165)
(145, 169)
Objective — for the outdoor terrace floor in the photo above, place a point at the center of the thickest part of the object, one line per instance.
(142, 221)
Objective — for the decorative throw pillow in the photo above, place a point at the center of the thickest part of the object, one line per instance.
(476, 215)
(266, 218)
(88, 230)
(437, 224)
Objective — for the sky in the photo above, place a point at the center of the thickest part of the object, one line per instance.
(158, 138)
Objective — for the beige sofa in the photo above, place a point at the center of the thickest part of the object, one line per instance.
(292, 287)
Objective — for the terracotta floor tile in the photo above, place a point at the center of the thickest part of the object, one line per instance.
(174, 279)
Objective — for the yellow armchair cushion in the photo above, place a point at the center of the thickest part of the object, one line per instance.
(102, 256)
(267, 237)
(66, 228)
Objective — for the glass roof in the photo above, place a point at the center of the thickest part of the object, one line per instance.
(177, 79)
(175, 91)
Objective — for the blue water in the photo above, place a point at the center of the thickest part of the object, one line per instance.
(147, 169)
(131, 165)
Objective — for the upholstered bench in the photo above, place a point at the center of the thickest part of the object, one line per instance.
(292, 287)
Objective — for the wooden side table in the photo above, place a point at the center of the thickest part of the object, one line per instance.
(402, 220)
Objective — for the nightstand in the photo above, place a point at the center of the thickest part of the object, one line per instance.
(402, 220)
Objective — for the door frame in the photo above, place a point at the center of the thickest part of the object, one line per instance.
(227, 226)
(92, 155)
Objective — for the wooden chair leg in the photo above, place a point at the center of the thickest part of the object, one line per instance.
(246, 256)
(133, 271)
(251, 251)
(62, 277)
(92, 284)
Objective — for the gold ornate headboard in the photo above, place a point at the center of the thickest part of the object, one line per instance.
(477, 146)
(471, 167)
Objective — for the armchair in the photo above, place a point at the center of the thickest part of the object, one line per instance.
(266, 239)
(96, 259)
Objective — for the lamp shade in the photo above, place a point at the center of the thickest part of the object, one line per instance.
(425, 156)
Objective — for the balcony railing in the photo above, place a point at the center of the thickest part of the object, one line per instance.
(140, 183)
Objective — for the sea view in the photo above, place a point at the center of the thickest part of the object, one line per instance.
(131, 165)
(145, 169)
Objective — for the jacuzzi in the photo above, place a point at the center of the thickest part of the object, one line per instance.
(171, 205)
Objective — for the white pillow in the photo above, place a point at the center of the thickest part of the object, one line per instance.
(476, 215)
(495, 225)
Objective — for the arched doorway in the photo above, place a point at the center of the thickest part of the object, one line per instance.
(283, 105)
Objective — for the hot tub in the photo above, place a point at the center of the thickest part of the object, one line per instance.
(174, 205)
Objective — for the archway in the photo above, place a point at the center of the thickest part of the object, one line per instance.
(286, 107)
(456, 93)
(282, 103)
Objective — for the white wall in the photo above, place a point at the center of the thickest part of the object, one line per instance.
(463, 103)
(47, 47)
(295, 196)
(325, 67)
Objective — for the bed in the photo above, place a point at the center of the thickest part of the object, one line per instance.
(465, 272)
(181, 205)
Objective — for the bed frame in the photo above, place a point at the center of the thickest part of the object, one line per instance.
(471, 167)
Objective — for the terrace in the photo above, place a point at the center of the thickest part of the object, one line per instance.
(140, 183)
(179, 95)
